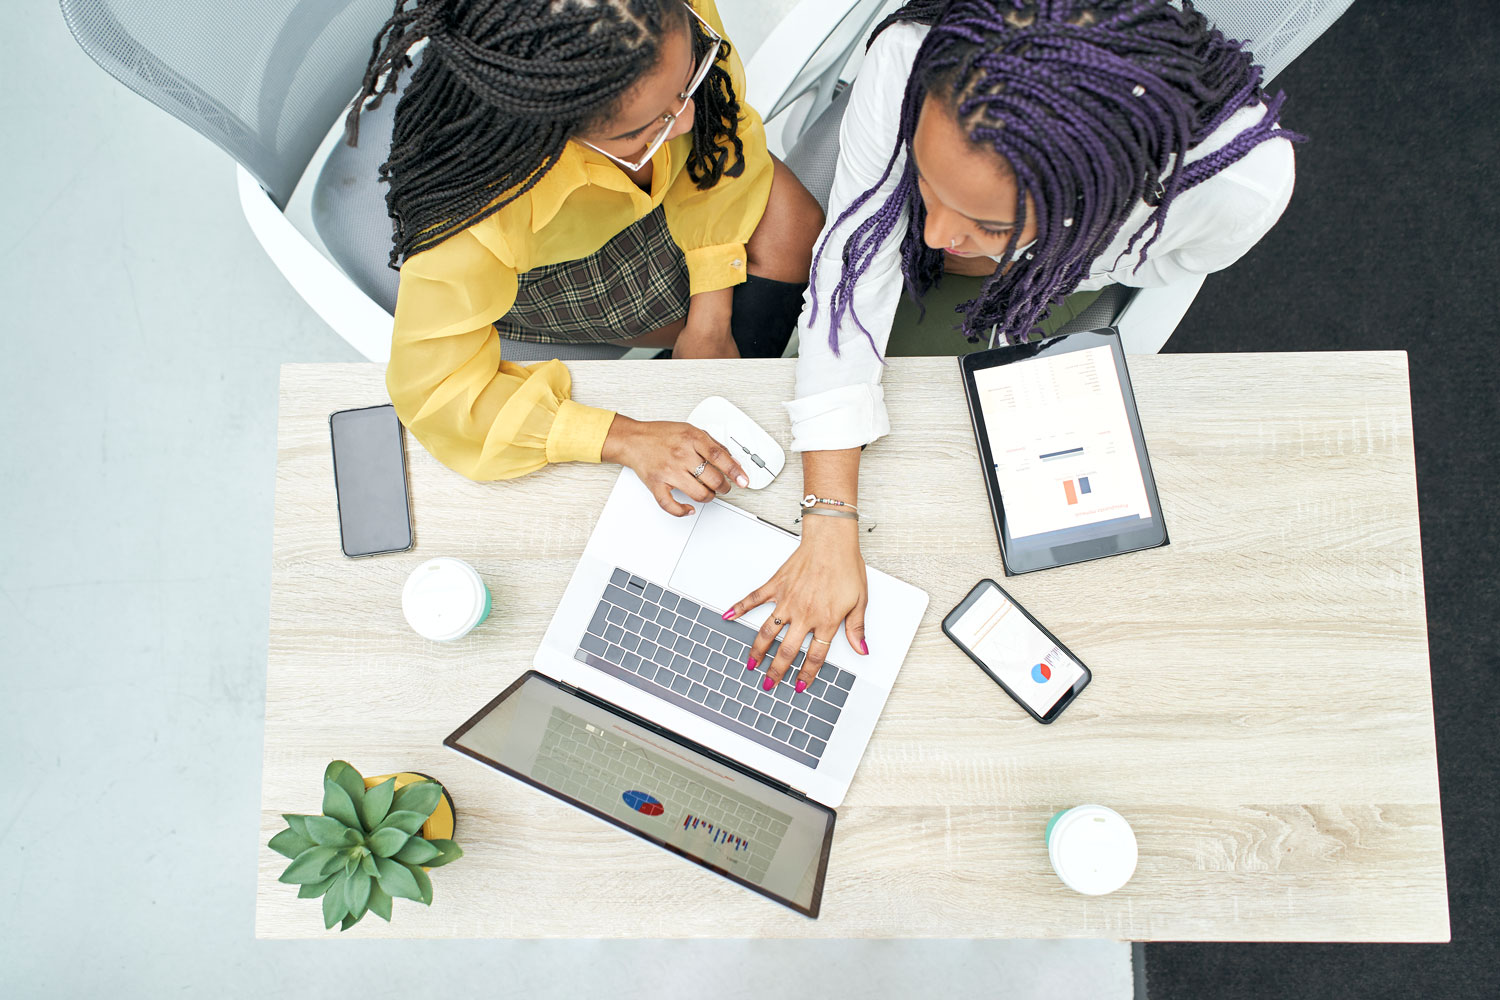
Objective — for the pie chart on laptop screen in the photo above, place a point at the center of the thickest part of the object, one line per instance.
(647, 805)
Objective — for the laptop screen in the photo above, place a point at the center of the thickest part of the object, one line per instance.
(655, 785)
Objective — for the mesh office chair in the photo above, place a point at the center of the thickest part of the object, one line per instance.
(268, 81)
(799, 80)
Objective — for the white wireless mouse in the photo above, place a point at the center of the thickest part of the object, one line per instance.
(756, 451)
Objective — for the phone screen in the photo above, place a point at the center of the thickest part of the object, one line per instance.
(369, 473)
(1031, 665)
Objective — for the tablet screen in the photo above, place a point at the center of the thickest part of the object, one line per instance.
(1065, 452)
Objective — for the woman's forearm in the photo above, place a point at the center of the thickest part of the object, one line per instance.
(832, 474)
(707, 332)
(711, 309)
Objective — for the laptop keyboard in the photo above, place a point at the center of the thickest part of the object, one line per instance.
(686, 654)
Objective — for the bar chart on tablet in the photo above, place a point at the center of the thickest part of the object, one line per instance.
(1060, 438)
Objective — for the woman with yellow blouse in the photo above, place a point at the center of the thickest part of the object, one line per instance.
(577, 170)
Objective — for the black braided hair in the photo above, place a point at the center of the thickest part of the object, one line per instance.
(502, 87)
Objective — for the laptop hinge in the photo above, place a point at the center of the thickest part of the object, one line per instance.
(780, 786)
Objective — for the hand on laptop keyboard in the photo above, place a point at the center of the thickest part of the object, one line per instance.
(687, 654)
(821, 586)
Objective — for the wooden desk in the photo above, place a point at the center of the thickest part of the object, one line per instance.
(1261, 709)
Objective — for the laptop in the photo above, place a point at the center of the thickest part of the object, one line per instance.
(640, 709)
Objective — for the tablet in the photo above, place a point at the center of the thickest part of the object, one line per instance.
(1062, 451)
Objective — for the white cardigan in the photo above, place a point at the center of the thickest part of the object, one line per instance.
(840, 403)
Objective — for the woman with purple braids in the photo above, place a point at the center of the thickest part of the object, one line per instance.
(1046, 146)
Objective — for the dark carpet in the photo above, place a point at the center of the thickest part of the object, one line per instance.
(1391, 242)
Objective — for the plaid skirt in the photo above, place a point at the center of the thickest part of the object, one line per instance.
(635, 283)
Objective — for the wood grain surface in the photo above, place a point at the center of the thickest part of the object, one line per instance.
(1261, 708)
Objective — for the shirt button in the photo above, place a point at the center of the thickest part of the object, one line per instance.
(736, 263)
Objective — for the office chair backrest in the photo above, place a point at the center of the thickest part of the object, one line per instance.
(1277, 31)
(264, 79)
(827, 67)
(348, 211)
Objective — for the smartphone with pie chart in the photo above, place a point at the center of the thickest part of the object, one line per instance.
(1027, 661)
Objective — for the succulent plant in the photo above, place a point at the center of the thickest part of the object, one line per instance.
(365, 848)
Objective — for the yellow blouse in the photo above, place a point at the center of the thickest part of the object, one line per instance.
(488, 418)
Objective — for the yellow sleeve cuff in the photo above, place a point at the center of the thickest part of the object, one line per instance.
(716, 267)
(578, 432)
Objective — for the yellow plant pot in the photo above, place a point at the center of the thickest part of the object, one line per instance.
(439, 826)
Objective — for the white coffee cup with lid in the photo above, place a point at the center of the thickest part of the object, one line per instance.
(445, 599)
(1092, 849)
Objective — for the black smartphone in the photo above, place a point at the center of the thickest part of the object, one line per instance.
(369, 476)
(1026, 660)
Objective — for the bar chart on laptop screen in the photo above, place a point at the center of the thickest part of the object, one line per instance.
(619, 776)
(1060, 439)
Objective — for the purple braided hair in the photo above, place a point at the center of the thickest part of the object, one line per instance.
(1092, 104)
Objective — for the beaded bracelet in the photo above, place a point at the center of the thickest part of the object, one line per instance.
(809, 501)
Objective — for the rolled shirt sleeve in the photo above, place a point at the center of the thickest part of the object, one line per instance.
(478, 414)
(840, 402)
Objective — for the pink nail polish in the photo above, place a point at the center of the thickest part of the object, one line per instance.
(801, 685)
(728, 614)
(864, 648)
(751, 664)
(767, 684)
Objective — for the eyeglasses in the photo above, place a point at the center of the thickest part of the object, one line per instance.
(687, 98)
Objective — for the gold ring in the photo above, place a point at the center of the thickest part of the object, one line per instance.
(828, 642)
(778, 621)
(699, 470)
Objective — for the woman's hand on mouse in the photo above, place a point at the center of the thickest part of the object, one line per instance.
(666, 453)
(820, 587)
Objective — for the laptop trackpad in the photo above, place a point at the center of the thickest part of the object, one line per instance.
(729, 554)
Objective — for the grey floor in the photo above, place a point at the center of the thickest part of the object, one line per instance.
(142, 329)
